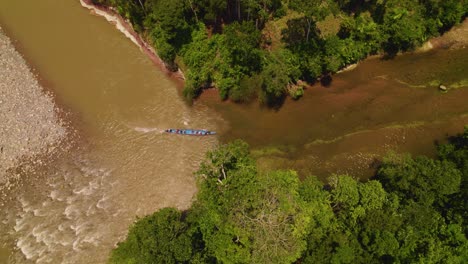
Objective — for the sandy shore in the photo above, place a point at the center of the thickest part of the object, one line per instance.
(29, 124)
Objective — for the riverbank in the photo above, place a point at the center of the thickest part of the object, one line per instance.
(359, 117)
(456, 38)
(137, 14)
(126, 28)
(29, 121)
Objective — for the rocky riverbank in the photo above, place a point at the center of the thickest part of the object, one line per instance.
(29, 122)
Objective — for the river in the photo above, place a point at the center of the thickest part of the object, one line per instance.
(124, 166)
(76, 209)
(364, 113)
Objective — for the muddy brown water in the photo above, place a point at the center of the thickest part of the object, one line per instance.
(4, 255)
(378, 107)
(75, 210)
(78, 208)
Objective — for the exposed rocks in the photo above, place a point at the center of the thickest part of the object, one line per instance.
(29, 124)
(443, 88)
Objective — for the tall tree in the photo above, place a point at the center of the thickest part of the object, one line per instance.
(314, 11)
(246, 217)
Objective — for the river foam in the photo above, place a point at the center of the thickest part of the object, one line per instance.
(66, 218)
(147, 129)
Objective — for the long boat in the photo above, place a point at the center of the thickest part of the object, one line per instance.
(191, 132)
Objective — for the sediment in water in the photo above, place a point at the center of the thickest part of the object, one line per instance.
(29, 122)
(126, 28)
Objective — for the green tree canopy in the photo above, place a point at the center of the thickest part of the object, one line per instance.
(414, 211)
(159, 238)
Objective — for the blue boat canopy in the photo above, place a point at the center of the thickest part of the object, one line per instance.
(192, 132)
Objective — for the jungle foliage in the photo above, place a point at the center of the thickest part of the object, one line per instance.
(224, 43)
(413, 211)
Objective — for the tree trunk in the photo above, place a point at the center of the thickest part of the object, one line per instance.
(309, 22)
(142, 6)
(193, 10)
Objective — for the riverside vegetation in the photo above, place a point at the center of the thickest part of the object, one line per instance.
(413, 211)
(264, 48)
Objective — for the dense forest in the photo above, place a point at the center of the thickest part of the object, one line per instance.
(415, 210)
(267, 49)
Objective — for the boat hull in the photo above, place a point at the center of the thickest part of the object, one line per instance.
(190, 132)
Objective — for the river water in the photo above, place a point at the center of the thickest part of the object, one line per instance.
(77, 208)
(347, 126)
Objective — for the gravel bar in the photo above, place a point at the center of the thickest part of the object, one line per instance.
(29, 123)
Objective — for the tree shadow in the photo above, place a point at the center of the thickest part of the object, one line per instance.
(375, 164)
(459, 141)
(326, 80)
(389, 55)
(275, 103)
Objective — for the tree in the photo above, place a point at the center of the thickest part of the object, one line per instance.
(315, 10)
(200, 58)
(456, 151)
(280, 222)
(444, 14)
(246, 217)
(168, 27)
(404, 25)
(241, 46)
(322, 223)
(159, 238)
(243, 216)
(364, 32)
(421, 179)
(238, 56)
(333, 59)
(274, 81)
(211, 10)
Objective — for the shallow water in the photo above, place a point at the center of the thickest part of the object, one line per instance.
(395, 103)
(75, 210)
(4, 255)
